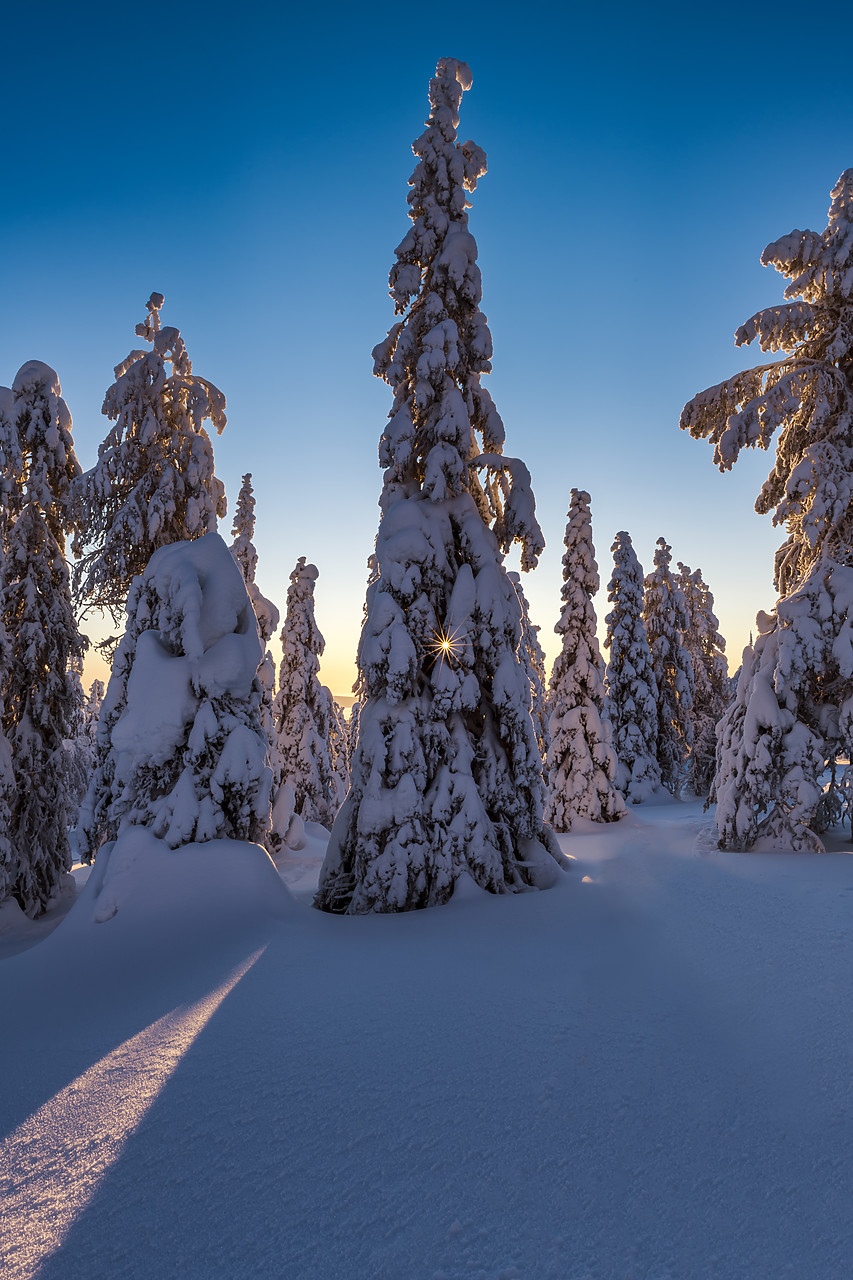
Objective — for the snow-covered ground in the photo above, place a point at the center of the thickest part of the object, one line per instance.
(642, 1074)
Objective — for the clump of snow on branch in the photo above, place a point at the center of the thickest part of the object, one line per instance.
(446, 774)
(181, 749)
(632, 690)
(581, 763)
(153, 483)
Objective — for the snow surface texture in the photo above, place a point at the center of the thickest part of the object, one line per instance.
(794, 709)
(446, 778)
(153, 483)
(581, 764)
(181, 748)
(632, 691)
(650, 1065)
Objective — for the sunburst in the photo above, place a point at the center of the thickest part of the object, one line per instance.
(447, 645)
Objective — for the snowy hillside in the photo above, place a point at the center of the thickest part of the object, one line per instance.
(642, 1074)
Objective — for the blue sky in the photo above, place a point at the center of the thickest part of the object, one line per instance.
(251, 165)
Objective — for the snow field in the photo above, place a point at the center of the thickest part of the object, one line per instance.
(642, 1073)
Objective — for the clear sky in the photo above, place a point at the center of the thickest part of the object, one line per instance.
(250, 163)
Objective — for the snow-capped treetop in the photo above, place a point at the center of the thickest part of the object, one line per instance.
(243, 529)
(665, 617)
(153, 483)
(39, 462)
(443, 424)
(807, 395)
(580, 570)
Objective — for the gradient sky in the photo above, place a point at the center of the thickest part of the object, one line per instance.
(251, 163)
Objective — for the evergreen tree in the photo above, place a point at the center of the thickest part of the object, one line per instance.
(632, 690)
(665, 617)
(711, 685)
(446, 777)
(302, 711)
(532, 658)
(793, 715)
(581, 764)
(180, 748)
(153, 483)
(39, 703)
(244, 552)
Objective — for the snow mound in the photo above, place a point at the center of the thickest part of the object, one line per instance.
(138, 878)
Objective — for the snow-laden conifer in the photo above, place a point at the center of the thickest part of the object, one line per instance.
(532, 658)
(153, 483)
(446, 777)
(665, 617)
(338, 745)
(794, 709)
(244, 552)
(632, 690)
(180, 747)
(43, 642)
(581, 763)
(711, 685)
(302, 712)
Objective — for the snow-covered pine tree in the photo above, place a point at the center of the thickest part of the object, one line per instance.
(446, 778)
(532, 658)
(244, 552)
(302, 711)
(794, 709)
(581, 763)
(180, 747)
(39, 702)
(711, 685)
(632, 690)
(153, 483)
(338, 745)
(666, 621)
(11, 467)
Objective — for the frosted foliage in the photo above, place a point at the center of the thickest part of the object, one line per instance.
(665, 617)
(443, 424)
(180, 746)
(45, 447)
(632, 690)
(581, 763)
(39, 706)
(532, 658)
(303, 708)
(792, 717)
(339, 746)
(711, 685)
(806, 396)
(243, 531)
(153, 483)
(445, 779)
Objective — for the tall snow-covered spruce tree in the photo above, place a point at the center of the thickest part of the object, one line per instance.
(532, 658)
(244, 552)
(180, 746)
(711, 685)
(666, 621)
(153, 483)
(581, 763)
(793, 714)
(42, 643)
(302, 714)
(446, 777)
(632, 690)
